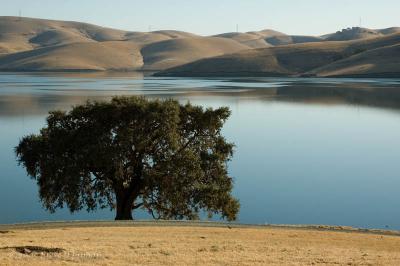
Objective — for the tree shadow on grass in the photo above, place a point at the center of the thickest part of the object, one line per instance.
(32, 250)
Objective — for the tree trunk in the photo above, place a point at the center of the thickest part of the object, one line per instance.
(124, 206)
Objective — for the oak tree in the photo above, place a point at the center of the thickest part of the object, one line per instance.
(131, 152)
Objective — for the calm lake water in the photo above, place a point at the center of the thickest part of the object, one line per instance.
(309, 151)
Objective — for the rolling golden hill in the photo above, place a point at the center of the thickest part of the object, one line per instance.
(28, 44)
(45, 45)
(364, 57)
(380, 62)
(175, 52)
(86, 56)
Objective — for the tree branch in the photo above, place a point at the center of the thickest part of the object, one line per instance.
(134, 207)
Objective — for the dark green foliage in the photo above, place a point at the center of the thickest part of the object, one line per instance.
(167, 158)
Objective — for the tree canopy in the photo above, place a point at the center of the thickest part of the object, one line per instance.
(131, 152)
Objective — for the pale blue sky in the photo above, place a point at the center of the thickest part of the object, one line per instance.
(208, 17)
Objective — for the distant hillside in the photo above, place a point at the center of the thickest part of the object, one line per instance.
(28, 44)
(268, 38)
(291, 39)
(357, 33)
(267, 33)
(369, 57)
(87, 56)
(20, 34)
(175, 52)
(354, 33)
(380, 62)
(249, 39)
(390, 30)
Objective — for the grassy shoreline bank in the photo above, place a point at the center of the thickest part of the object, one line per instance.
(193, 243)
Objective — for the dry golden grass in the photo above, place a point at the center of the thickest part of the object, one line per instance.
(383, 61)
(194, 245)
(93, 56)
(28, 44)
(302, 58)
(175, 52)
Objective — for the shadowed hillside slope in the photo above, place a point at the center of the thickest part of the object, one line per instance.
(380, 62)
(76, 56)
(291, 39)
(249, 39)
(296, 59)
(28, 33)
(170, 53)
(28, 44)
(390, 30)
(267, 38)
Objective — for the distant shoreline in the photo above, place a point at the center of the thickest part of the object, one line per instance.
(151, 223)
(151, 73)
(264, 75)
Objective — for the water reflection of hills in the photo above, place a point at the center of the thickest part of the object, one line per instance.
(359, 94)
(386, 95)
